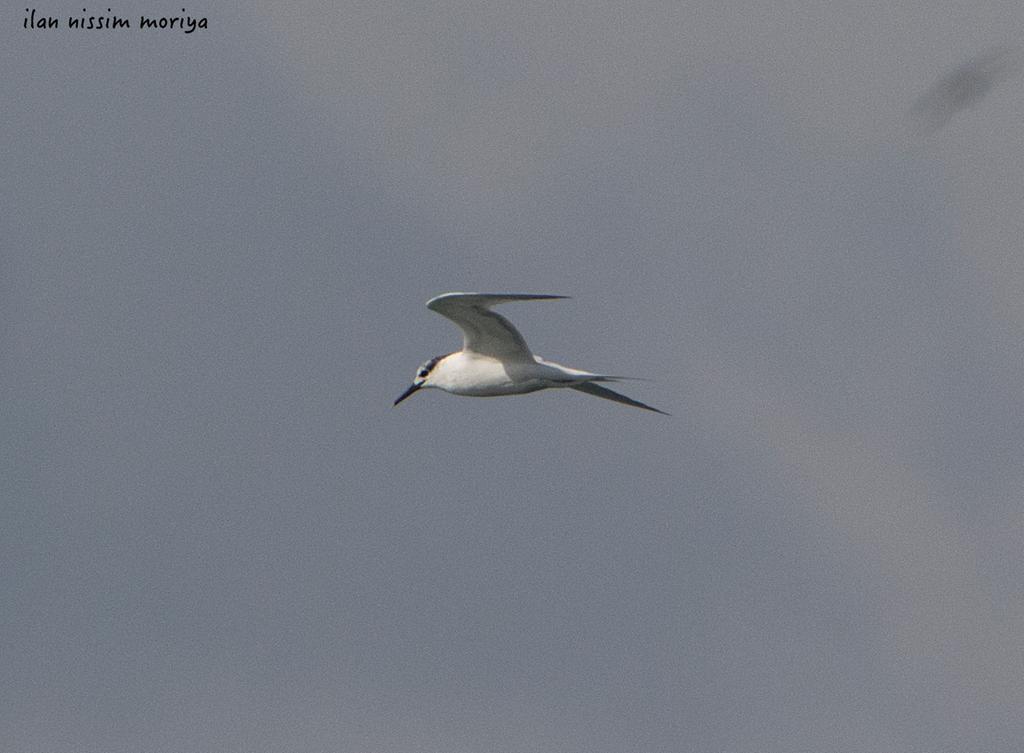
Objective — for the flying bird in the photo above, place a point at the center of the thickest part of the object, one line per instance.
(495, 359)
(966, 86)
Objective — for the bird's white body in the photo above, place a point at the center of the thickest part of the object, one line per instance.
(495, 359)
(469, 373)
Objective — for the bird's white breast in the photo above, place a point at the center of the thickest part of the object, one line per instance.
(467, 373)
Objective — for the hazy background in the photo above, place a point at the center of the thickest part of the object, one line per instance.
(217, 534)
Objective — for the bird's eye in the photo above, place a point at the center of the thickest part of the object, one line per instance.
(422, 374)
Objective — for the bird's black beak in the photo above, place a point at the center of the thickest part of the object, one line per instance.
(406, 394)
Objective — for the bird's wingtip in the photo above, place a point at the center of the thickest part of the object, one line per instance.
(492, 298)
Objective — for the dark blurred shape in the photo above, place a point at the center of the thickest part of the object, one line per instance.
(965, 86)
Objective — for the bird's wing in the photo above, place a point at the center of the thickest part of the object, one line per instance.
(966, 86)
(485, 332)
(598, 391)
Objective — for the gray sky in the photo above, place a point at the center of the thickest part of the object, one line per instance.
(217, 535)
